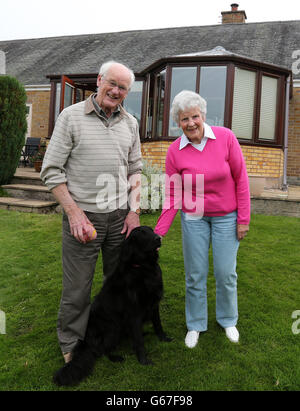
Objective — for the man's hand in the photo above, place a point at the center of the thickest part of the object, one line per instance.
(132, 220)
(80, 226)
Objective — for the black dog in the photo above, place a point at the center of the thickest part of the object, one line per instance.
(128, 298)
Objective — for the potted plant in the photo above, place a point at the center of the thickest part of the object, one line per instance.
(38, 157)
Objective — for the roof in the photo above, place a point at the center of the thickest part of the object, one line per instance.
(30, 60)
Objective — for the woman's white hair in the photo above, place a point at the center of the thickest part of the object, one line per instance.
(187, 99)
(107, 65)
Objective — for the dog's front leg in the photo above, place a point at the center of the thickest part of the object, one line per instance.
(157, 325)
(138, 341)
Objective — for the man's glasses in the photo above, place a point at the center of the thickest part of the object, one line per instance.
(113, 84)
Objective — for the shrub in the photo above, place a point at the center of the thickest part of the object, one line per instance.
(13, 126)
(152, 191)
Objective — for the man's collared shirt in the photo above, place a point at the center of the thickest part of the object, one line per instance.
(208, 133)
(101, 113)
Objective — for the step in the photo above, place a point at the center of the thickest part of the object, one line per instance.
(27, 176)
(29, 206)
(28, 191)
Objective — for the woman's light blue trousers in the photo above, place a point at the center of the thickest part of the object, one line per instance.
(197, 235)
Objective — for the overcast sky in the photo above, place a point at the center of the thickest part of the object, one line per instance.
(20, 19)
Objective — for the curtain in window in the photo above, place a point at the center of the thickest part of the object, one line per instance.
(268, 106)
(243, 103)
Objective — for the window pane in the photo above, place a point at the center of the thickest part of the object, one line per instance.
(243, 103)
(268, 108)
(183, 78)
(68, 97)
(150, 106)
(213, 90)
(161, 86)
(133, 102)
(57, 100)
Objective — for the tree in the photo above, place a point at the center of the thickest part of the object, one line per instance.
(13, 126)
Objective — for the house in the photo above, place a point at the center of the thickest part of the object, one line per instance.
(249, 73)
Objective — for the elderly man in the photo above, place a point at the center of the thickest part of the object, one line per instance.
(92, 163)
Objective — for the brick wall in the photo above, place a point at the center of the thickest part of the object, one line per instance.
(263, 161)
(293, 163)
(264, 165)
(155, 152)
(40, 101)
(233, 17)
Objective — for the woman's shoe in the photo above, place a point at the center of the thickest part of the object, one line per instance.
(191, 339)
(232, 334)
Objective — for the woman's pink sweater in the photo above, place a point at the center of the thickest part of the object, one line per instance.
(226, 185)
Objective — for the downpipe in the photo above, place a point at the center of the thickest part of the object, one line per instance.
(286, 132)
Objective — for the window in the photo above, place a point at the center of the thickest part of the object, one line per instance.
(150, 102)
(57, 101)
(183, 78)
(268, 105)
(28, 119)
(243, 103)
(68, 92)
(133, 102)
(213, 90)
(242, 94)
(160, 85)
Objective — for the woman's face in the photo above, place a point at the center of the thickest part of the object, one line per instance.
(192, 124)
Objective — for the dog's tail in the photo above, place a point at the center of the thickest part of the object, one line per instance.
(81, 365)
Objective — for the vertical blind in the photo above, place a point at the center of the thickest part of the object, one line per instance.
(268, 105)
(243, 103)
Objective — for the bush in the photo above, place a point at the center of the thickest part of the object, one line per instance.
(152, 191)
(13, 126)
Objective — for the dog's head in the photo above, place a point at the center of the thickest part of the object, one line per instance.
(141, 246)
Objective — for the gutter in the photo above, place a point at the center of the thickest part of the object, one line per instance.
(286, 132)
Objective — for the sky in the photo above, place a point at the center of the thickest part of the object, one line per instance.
(23, 19)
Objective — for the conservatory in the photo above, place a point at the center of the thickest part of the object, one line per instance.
(247, 96)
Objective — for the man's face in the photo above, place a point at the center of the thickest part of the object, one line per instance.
(112, 88)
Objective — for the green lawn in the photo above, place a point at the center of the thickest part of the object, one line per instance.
(267, 357)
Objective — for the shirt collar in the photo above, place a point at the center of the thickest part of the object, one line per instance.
(208, 133)
(99, 109)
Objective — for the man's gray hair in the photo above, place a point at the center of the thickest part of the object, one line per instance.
(187, 99)
(107, 65)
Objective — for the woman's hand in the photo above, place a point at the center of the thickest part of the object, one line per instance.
(242, 230)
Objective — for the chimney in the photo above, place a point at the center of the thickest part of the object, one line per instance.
(233, 16)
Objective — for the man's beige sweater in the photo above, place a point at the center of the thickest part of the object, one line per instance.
(92, 158)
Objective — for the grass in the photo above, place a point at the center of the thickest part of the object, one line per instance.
(266, 359)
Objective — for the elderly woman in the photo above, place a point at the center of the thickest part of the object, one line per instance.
(211, 155)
